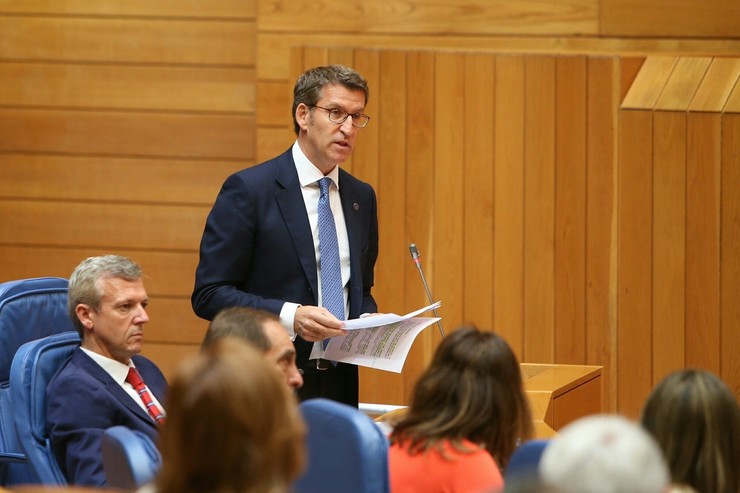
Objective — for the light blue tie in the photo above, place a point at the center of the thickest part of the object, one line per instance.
(332, 290)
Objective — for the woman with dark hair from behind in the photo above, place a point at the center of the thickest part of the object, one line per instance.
(232, 425)
(695, 419)
(468, 412)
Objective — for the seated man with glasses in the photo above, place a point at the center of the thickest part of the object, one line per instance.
(297, 235)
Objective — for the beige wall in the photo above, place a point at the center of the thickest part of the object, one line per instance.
(120, 120)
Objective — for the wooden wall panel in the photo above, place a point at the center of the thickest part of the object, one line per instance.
(686, 77)
(233, 9)
(420, 227)
(447, 249)
(634, 340)
(429, 17)
(137, 40)
(508, 200)
(669, 242)
(730, 251)
(118, 124)
(570, 210)
(216, 136)
(478, 248)
(391, 123)
(139, 180)
(100, 225)
(670, 18)
(539, 209)
(128, 87)
(703, 233)
(603, 97)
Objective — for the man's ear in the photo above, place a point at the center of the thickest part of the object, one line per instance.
(301, 115)
(83, 312)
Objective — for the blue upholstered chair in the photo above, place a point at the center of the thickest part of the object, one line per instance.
(130, 458)
(34, 365)
(346, 451)
(29, 309)
(525, 460)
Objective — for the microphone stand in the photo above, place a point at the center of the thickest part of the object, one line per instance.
(415, 255)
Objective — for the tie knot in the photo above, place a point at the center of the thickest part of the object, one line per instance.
(133, 377)
(324, 185)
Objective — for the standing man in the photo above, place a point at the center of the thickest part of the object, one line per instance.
(269, 244)
(105, 382)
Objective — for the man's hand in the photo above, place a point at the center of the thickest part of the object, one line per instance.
(316, 323)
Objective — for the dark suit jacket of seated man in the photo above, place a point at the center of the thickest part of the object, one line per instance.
(108, 303)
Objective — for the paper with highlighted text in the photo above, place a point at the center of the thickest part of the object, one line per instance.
(382, 341)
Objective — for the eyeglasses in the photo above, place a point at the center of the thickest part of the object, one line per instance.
(338, 116)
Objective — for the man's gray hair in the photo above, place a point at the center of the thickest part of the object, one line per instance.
(84, 283)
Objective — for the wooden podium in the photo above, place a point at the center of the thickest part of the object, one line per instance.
(559, 394)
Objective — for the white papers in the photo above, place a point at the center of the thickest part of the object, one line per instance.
(380, 341)
(385, 318)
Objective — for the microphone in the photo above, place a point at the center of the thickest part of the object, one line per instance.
(416, 256)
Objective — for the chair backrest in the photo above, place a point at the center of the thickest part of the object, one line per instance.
(130, 458)
(346, 451)
(29, 309)
(525, 460)
(34, 365)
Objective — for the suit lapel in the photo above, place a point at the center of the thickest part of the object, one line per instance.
(93, 369)
(290, 200)
(353, 221)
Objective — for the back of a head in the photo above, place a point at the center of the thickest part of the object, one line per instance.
(232, 425)
(473, 390)
(604, 454)
(243, 322)
(695, 419)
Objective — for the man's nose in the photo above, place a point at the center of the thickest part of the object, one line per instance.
(295, 378)
(142, 317)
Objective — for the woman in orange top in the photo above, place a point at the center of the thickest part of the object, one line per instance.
(467, 414)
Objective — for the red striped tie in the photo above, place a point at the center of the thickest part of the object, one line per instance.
(137, 383)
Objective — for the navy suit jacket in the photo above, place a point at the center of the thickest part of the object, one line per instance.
(82, 401)
(257, 248)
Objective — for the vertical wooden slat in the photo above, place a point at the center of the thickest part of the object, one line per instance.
(508, 240)
(391, 121)
(365, 163)
(703, 166)
(730, 251)
(447, 250)
(634, 341)
(478, 192)
(669, 239)
(601, 222)
(539, 206)
(391, 176)
(420, 165)
(570, 211)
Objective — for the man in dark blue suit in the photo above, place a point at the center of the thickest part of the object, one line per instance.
(90, 393)
(260, 247)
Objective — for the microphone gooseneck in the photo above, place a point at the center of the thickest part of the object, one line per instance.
(416, 257)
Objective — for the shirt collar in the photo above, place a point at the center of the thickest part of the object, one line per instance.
(115, 369)
(309, 174)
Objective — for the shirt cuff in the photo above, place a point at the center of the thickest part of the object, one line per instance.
(287, 318)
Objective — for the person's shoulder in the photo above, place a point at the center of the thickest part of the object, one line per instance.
(264, 170)
(142, 362)
(71, 368)
(346, 179)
